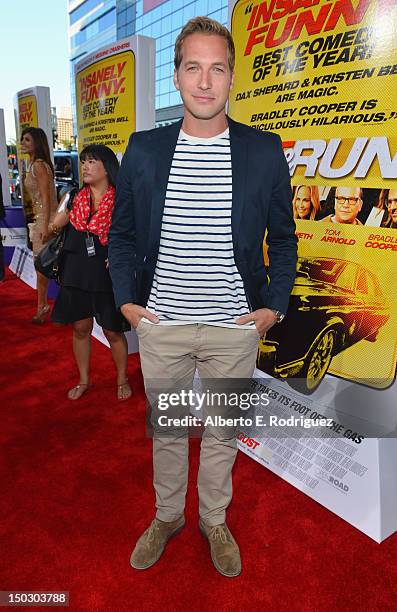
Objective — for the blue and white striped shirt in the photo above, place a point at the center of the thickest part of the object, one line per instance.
(196, 279)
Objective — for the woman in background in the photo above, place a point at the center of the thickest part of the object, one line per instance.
(86, 289)
(40, 184)
(306, 202)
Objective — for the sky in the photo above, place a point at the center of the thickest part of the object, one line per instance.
(34, 50)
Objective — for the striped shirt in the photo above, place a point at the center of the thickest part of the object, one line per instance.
(196, 279)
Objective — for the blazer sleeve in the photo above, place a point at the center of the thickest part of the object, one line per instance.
(281, 238)
(122, 233)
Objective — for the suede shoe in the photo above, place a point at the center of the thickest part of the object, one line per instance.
(225, 553)
(152, 542)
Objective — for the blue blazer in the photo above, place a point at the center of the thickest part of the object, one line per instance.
(261, 201)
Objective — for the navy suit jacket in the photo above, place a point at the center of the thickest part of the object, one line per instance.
(261, 201)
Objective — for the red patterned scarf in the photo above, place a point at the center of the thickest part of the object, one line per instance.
(100, 221)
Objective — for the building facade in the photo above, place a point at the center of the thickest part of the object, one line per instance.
(65, 125)
(54, 125)
(62, 127)
(163, 20)
(94, 23)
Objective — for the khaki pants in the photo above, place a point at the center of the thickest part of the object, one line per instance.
(172, 353)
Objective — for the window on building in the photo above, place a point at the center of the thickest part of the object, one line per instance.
(107, 20)
(121, 18)
(83, 9)
(92, 29)
(156, 29)
(122, 32)
(175, 98)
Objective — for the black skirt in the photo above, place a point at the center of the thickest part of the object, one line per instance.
(86, 287)
(74, 304)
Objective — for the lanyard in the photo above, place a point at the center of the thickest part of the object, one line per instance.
(89, 240)
(92, 211)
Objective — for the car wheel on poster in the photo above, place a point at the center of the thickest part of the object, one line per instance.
(316, 363)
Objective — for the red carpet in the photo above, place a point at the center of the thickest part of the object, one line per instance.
(76, 492)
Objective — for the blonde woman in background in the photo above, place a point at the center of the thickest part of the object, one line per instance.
(306, 202)
(40, 184)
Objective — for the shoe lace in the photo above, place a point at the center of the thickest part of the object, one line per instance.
(218, 531)
(152, 531)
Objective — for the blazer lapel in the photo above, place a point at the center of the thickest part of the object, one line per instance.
(238, 150)
(163, 143)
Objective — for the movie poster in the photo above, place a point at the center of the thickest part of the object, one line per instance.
(105, 98)
(115, 95)
(27, 114)
(323, 75)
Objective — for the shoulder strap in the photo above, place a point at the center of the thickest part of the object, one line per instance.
(72, 194)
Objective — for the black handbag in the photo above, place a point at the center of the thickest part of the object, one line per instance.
(48, 260)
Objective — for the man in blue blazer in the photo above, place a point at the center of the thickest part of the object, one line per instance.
(194, 201)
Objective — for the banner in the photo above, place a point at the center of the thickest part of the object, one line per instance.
(322, 75)
(22, 265)
(12, 231)
(27, 110)
(341, 461)
(115, 93)
(105, 93)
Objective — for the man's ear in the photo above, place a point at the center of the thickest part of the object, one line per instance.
(176, 83)
(232, 81)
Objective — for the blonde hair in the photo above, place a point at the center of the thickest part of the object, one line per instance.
(314, 201)
(204, 25)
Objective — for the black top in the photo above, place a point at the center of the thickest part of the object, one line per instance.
(81, 271)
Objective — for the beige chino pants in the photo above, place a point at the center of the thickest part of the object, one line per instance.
(172, 353)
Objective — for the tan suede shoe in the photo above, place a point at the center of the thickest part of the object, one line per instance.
(152, 542)
(225, 553)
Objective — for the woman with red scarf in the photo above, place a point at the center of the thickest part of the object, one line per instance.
(86, 289)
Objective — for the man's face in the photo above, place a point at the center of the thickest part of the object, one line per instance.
(392, 204)
(347, 204)
(204, 78)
